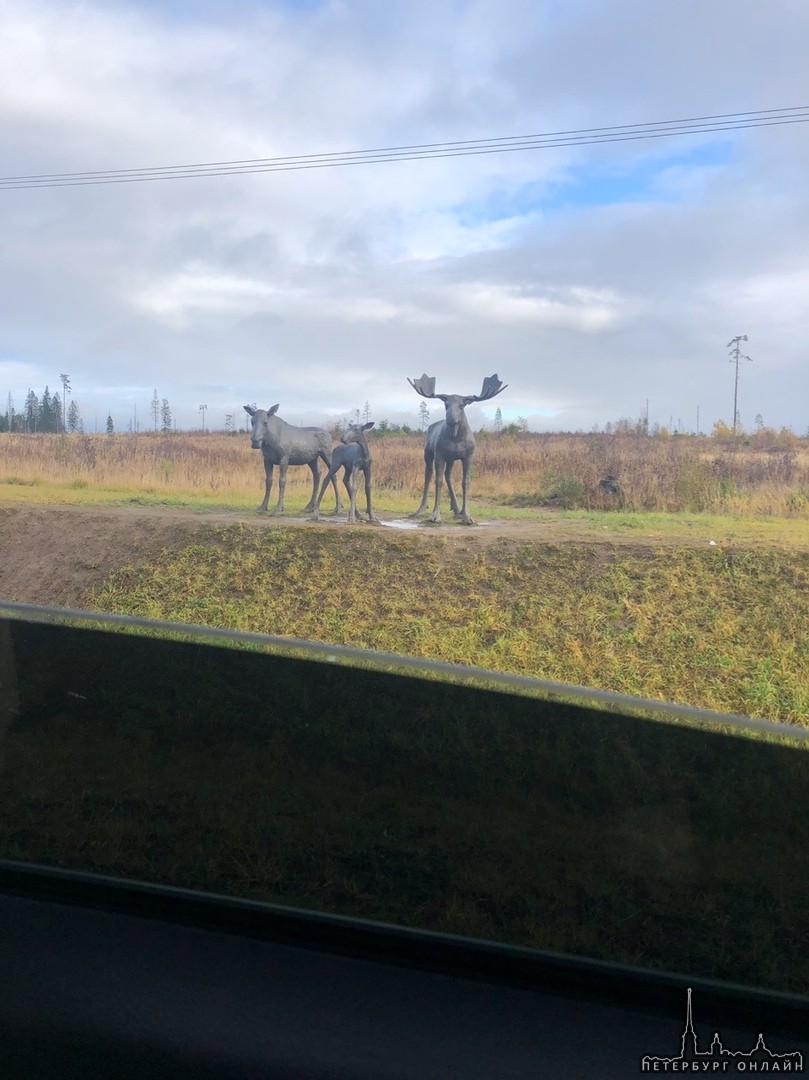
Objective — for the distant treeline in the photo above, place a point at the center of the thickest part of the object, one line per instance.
(43, 414)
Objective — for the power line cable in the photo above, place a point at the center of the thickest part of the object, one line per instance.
(722, 122)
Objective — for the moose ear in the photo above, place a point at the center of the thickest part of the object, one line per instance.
(273, 410)
(368, 426)
(249, 410)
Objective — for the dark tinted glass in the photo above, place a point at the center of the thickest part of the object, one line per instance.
(362, 785)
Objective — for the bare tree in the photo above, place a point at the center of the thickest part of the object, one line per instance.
(353, 455)
(450, 440)
(65, 391)
(283, 444)
(735, 347)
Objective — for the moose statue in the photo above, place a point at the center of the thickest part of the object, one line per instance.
(450, 440)
(353, 455)
(283, 444)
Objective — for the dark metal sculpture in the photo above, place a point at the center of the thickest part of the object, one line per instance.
(609, 485)
(450, 440)
(353, 455)
(283, 444)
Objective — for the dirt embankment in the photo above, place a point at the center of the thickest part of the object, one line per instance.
(55, 555)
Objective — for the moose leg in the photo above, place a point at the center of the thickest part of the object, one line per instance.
(369, 512)
(453, 502)
(428, 472)
(466, 463)
(435, 517)
(313, 465)
(350, 480)
(338, 506)
(326, 479)
(262, 509)
(282, 483)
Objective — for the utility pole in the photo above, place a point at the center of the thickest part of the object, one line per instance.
(735, 347)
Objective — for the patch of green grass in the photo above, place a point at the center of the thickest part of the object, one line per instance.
(692, 626)
(18, 481)
(680, 526)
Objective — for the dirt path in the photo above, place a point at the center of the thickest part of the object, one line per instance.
(56, 554)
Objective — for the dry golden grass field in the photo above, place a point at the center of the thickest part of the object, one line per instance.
(756, 476)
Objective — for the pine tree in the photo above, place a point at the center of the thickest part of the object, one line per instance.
(498, 421)
(45, 416)
(155, 409)
(165, 415)
(31, 411)
(110, 425)
(56, 414)
(424, 415)
(74, 423)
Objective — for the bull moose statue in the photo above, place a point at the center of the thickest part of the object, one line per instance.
(283, 444)
(450, 440)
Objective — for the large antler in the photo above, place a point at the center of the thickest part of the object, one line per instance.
(491, 388)
(424, 386)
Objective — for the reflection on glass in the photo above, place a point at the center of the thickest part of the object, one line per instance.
(477, 806)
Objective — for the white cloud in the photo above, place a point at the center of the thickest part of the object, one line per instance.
(325, 286)
(575, 308)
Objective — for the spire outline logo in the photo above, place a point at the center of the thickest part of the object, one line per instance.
(718, 1059)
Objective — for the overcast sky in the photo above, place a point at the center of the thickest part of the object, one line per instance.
(590, 278)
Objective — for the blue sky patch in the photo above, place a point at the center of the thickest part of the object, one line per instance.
(652, 179)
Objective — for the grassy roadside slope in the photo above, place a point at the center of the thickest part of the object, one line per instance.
(721, 628)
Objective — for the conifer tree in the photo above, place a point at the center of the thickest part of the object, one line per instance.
(74, 423)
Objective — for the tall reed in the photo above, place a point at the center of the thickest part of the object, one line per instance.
(692, 473)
